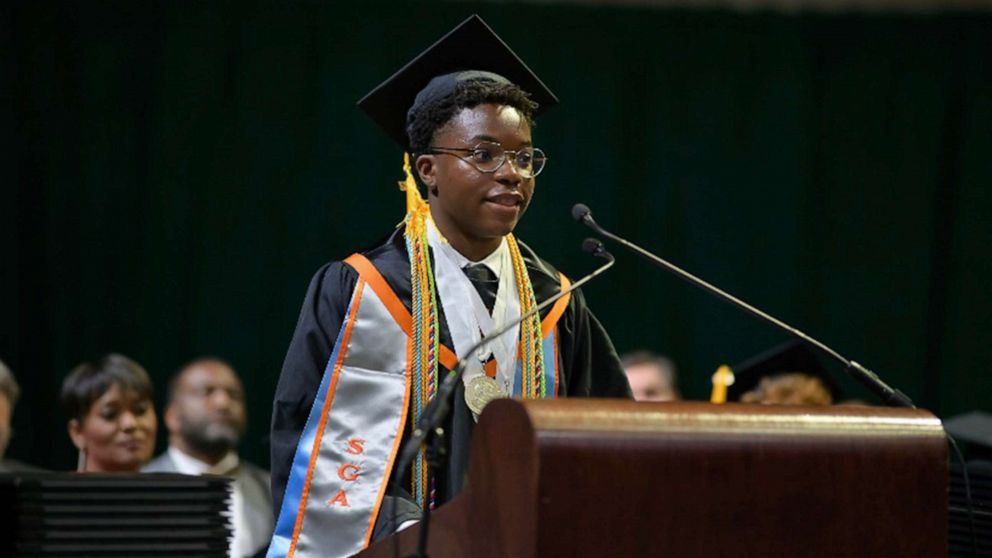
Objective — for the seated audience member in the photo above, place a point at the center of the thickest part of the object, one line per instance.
(9, 393)
(789, 389)
(206, 418)
(789, 374)
(111, 414)
(651, 377)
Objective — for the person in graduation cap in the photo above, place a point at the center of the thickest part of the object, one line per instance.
(788, 374)
(379, 330)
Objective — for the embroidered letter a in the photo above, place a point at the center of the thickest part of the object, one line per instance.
(339, 499)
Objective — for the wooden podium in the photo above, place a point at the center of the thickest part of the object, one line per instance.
(605, 478)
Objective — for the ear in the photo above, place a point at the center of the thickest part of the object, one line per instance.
(76, 434)
(427, 171)
(171, 417)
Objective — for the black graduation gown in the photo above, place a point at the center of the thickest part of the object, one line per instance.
(589, 366)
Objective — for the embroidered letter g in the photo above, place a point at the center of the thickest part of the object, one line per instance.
(349, 472)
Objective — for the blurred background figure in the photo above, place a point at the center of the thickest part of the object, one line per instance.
(974, 430)
(789, 374)
(651, 376)
(789, 389)
(206, 419)
(9, 393)
(111, 414)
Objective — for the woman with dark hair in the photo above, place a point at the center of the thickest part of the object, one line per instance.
(111, 414)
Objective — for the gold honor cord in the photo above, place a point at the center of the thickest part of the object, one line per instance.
(424, 354)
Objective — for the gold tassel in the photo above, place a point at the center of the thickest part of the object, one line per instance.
(415, 204)
(723, 378)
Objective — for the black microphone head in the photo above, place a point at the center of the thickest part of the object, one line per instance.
(595, 247)
(580, 211)
(592, 246)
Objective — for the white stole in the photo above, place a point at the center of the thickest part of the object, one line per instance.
(467, 317)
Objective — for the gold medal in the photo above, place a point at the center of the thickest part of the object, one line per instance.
(479, 391)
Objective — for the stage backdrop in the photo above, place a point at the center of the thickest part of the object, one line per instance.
(174, 173)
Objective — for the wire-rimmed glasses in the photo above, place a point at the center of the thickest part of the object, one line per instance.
(489, 156)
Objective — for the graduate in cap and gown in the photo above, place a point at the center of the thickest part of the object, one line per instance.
(787, 374)
(378, 331)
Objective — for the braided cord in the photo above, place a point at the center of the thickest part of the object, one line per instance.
(417, 364)
(425, 321)
(533, 384)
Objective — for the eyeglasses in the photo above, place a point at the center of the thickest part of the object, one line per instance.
(489, 157)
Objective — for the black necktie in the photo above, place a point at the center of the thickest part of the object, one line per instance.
(485, 282)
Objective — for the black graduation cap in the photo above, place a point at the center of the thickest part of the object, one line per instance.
(471, 46)
(792, 356)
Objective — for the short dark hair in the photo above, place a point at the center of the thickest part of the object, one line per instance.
(174, 380)
(664, 364)
(424, 122)
(90, 380)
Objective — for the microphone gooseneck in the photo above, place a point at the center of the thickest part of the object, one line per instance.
(891, 396)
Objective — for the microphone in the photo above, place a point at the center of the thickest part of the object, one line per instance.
(595, 247)
(440, 406)
(891, 396)
(582, 213)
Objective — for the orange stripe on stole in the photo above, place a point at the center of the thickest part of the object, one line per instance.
(551, 320)
(400, 314)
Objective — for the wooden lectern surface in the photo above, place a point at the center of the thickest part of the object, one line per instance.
(581, 477)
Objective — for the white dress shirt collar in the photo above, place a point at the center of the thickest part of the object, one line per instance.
(492, 261)
(190, 465)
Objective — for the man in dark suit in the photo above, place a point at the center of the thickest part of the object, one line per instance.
(206, 419)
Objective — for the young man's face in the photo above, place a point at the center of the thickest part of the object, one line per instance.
(475, 209)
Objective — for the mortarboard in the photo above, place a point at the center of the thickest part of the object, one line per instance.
(792, 356)
(471, 49)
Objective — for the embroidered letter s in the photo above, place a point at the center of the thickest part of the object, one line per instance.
(356, 446)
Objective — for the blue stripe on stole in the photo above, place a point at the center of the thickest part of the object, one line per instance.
(283, 535)
(518, 377)
(550, 363)
(550, 367)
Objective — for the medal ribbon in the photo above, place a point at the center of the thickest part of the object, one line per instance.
(455, 292)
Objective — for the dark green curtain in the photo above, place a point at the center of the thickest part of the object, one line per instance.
(174, 172)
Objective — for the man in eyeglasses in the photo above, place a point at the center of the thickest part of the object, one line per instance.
(379, 331)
